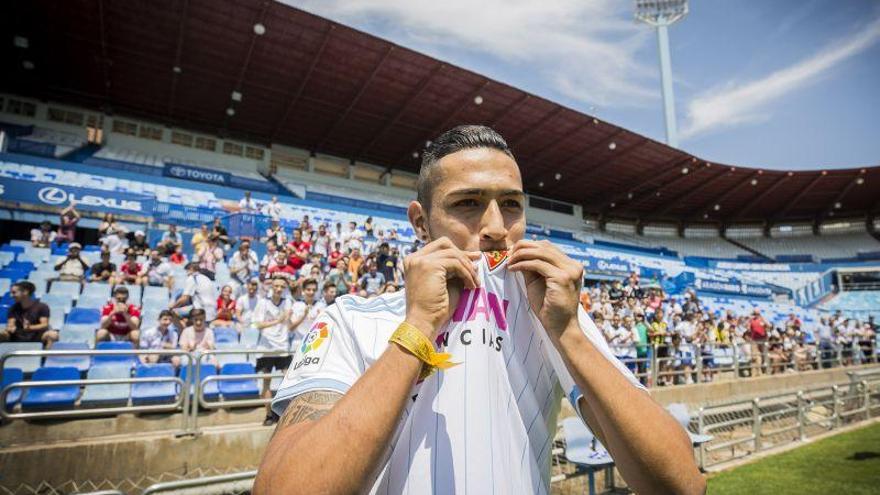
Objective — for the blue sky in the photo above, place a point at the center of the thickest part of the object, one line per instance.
(777, 85)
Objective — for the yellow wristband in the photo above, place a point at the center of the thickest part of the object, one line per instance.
(413, 340)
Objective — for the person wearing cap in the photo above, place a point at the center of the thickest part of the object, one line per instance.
(131, 272)
(103, 270)
(120, 320)
(138, 243)
(71, 268)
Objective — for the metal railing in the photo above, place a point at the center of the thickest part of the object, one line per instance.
(223, 479)
(181, 402)
(745, 427)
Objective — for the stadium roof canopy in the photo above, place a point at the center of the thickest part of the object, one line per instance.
(316, 84)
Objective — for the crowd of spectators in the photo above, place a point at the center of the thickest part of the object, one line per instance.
(282, 292)
(645, 327)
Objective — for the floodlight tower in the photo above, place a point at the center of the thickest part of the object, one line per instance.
(661, 14)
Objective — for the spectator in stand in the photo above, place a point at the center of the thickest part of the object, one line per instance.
(209, 254)
(758, 338)
(321, 242)
(67, 224)
(243, 264)
(161, 337)
(272, 318)
(368, 226)
(73, 267)
(200, 238)
(111, 234)
(659, 337)
(335, 255)
(340, 277)
(329, 292)
(198, 336)
(247, 205)
(28, 318)
(355, 261)
(131, 272)
(275, 234)
(138, 243)
(246, 304)
(271, 256)
(305, 312)
(389, 288)
(314, 261)
(281, 268)
(198, 291)
(387, 263)
(119, 319)
(158, 271)
(299, 248)
(104, 270)
(306, 227)
(171, 240)
(219, 232)
(352, 238)
(372, 281)
(225, 308)
(43, 236)
(177, 258)
(273, 209)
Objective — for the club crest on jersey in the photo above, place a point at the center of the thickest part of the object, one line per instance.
(495, 258)
(319, 333)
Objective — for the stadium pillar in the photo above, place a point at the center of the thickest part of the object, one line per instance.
(767, 228)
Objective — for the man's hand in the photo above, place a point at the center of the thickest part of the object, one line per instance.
(435, 276)
(553, 282)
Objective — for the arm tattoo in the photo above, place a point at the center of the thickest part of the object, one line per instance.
(309, 406)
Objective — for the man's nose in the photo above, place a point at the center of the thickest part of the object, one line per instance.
(492, 228)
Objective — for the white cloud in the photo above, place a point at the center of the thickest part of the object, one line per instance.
(733, 104)
(585, 50)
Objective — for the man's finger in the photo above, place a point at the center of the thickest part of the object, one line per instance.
(538, 253)
(455, 268)
(541, 267)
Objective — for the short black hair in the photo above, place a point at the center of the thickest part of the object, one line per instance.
(26, 286)
(195, 312)
(121, 289)
(456, 139)
(166, 312)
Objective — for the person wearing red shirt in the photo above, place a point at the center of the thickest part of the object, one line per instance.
(120, 320)
(281, 267)
(131, 272)
(177, 257)
(335, 255)
(225, 308)
(300, 248)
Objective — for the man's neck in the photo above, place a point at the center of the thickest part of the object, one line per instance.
(27, 302)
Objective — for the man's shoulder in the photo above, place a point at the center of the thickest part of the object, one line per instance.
(385, 306)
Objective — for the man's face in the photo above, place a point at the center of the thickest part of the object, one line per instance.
(252, 288)
(120, 297)
(164, 321)
(309, 291)
(244, 247)
(278, 287)
(476, 201)
(330, 294)
(198, 322)
(154, 256)
(297, 235)
(73, 252)
(105, 257)
(19, 294)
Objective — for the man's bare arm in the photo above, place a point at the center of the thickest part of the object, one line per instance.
(652, 452)
(328, 443)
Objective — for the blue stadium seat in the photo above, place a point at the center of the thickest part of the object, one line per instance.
(4, 313)
(27, 364)
(81, 363)
(583, 449)
(250, 336)
(225, 335)
(57, 249)
(55, 397)
(6, 258)
(134, 294)
(22, 266)
(13, 274)
(212, 391)
(96, 290)
(153, 393)
(5, 285)
(36, 256)
(12, 375)
(70, 289)
(238, 389)
(17, 247)
(156, 294)
(84, 316)
(223, 359)
(78, 333)
(130, 359)
(102, 395)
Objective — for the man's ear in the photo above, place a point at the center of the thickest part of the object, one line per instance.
(418, 218)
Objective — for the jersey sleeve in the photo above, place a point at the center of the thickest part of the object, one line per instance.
(326, 360)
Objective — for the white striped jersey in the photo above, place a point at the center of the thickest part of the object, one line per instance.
(483, 426)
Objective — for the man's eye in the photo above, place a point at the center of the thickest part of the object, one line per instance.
(511, 203)
(468, 203)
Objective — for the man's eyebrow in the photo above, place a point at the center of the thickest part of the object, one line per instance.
(482, 192)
